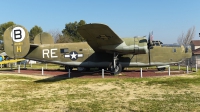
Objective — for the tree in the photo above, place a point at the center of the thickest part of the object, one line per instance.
(3, 27)
(34, 31)
(71, 30)
(63, 39)
(186, 39)
(59, 38)
(55, 34)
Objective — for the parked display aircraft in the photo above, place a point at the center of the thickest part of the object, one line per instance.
(102, 49)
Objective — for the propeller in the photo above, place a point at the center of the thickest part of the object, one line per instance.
(150, 45)
(150, 39)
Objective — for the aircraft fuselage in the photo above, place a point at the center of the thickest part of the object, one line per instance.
(81, 54)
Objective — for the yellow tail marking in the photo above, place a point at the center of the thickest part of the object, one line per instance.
(19, 49)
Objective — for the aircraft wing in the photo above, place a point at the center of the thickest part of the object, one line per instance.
(99, 35)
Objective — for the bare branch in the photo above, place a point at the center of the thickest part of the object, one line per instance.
(55, 34)
(186, 39)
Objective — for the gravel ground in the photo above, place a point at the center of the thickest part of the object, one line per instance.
(96, 74)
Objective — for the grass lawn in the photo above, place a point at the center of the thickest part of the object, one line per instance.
(22, 93)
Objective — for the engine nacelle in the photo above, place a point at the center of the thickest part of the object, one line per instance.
(137, 45)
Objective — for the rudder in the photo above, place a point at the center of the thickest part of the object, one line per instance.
(16, 41)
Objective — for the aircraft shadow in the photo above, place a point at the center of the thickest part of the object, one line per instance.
(53, 79)
(74, 74)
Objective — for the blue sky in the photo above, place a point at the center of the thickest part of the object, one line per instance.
(168, 19)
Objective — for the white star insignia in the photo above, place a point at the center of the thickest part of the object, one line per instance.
(73, 56)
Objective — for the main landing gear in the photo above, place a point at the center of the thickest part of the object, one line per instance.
(115, 67)
(161, 69)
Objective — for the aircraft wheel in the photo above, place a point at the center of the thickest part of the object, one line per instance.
(161, 69)
(67, 68)
(116, 70)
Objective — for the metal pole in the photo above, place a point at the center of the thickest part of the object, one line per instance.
(102, 73)
(18, 68)
(25, 65)
(42, 71)
(1, 65)
(196, 67)
(169, 71)
(141, 72)
(187, 69)
(69, 73)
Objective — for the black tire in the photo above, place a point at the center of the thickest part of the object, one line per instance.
(117, 69)
(161, 69)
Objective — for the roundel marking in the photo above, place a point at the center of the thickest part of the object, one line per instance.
(17, 34)
(73, 55)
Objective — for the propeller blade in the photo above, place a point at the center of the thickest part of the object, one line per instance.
(150, 39)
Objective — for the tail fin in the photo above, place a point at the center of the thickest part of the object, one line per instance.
(43, 38)
(16, 41)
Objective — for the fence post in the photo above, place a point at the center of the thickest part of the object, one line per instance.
(102, 73)
(18, 68)
(169, 70)
(141, 72)
(42, 71)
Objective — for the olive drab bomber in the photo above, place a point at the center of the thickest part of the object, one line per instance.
(102, 49)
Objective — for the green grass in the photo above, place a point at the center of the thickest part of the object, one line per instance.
(21, 93)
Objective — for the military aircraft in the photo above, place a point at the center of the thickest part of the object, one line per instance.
(102, 49)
